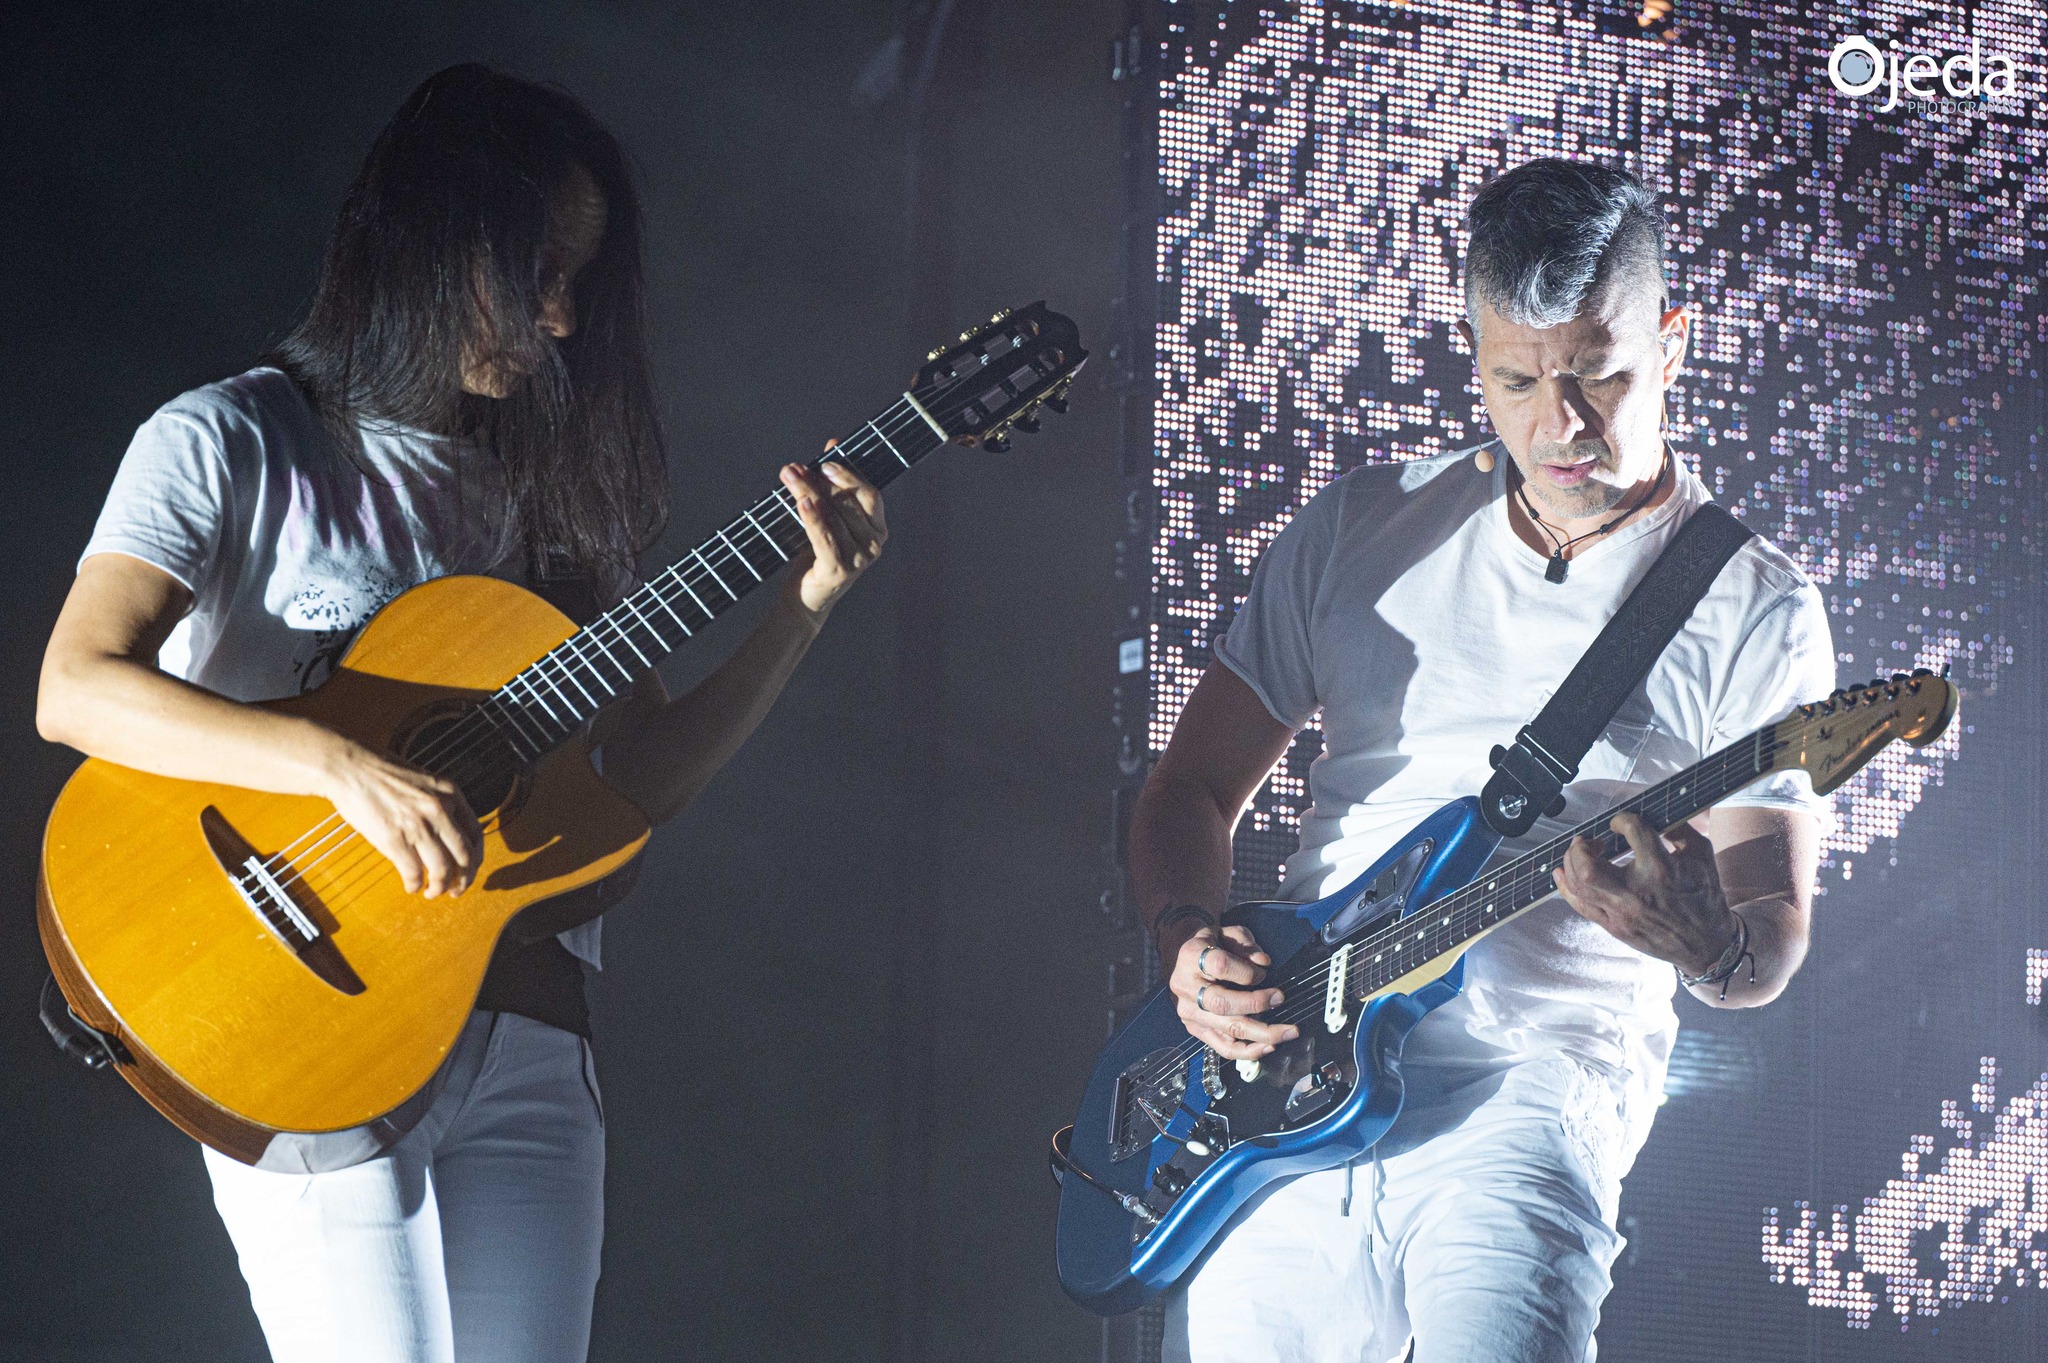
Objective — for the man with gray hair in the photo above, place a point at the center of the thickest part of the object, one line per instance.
(1426, 611)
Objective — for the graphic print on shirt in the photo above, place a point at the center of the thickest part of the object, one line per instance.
(333, 610)
(355, 537)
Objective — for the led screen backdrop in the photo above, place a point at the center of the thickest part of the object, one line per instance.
(1860, 1170)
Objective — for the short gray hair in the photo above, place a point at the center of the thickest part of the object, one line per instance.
(1547, 234)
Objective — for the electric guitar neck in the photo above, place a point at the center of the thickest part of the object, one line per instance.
(1830, 740)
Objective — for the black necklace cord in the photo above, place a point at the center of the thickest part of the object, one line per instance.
(1559, 565)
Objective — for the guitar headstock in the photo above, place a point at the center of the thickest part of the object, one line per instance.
(995, 379)
(1831, 740)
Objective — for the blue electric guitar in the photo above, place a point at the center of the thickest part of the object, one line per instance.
(1172, 1138)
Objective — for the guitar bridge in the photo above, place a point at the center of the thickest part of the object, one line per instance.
(275, 905)
(262, 892)
(1148, 1093)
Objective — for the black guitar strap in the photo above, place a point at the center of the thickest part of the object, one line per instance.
(1529, 778)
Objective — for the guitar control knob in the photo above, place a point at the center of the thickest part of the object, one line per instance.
(1169, 1180)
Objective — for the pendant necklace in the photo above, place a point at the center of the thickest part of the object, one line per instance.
(1559, 566)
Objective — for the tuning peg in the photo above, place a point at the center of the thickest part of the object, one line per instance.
(996, 444)
(1057, 402)
(1026, 424)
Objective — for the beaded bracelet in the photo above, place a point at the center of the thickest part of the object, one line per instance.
(1723, 970)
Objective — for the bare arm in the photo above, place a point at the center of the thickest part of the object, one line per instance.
(664, 752)
(1678, 899)
(102, 693)
(1768, 861)
(1222, 749)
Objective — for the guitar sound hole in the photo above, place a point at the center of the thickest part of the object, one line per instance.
(450, 742)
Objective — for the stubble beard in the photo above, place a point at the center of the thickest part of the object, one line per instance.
(1593, 497)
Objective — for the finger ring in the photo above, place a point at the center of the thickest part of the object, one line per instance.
(1199, 1005)
(1200, 968)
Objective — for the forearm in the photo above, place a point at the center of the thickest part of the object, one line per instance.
(1180, 852)
(1777, 944)
(1767, 862)
(662, 757)
(126, 711)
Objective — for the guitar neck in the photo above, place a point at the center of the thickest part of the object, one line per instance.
(1501, 894)
(560, 692)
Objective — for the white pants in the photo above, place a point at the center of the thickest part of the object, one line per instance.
(474, 1240)
(1486, 1233)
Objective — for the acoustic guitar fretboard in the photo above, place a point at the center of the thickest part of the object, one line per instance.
(537, 710)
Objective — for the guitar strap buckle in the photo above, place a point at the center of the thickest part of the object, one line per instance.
(1528, 782)
(1529, 778)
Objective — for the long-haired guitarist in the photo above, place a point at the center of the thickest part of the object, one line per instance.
(1426, 611)
(468, 393)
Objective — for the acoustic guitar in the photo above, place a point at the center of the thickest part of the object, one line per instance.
(1172, 1139)
(254, 967)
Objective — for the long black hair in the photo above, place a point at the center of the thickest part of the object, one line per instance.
(439, 259)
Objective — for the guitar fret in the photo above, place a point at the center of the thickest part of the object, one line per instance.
(764, 534)
(541, 700)
(684, 583)
(568, 701)
(662, 602)
(888, 444)
(785, 507)
(740, 556)
(1408, 945)
(566, 659)
(557, 693)
(699, 555)
(627, 634)
(591, 665)
(524, 722)
(510, 733)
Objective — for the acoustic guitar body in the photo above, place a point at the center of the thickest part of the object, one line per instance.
(237, 1029)
(256, 969)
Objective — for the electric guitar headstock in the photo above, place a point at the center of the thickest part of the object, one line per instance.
(995, 379)
(1831, 740)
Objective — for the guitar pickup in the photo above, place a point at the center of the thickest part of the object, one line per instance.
(1335, 1013)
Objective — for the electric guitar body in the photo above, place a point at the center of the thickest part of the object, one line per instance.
(1099, 1264)
(1171, 1140)
(254, 968)
(155, 942)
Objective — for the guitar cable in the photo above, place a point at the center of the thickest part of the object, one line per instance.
(1060, 1162)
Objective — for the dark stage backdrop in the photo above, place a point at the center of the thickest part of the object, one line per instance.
(1857, 1171)
(855, 990)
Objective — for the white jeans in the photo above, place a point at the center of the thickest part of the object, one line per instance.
(1485, 1232)
(475, 1239)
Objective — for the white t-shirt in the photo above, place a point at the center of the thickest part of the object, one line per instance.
(1401, 605)
(287, 544)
